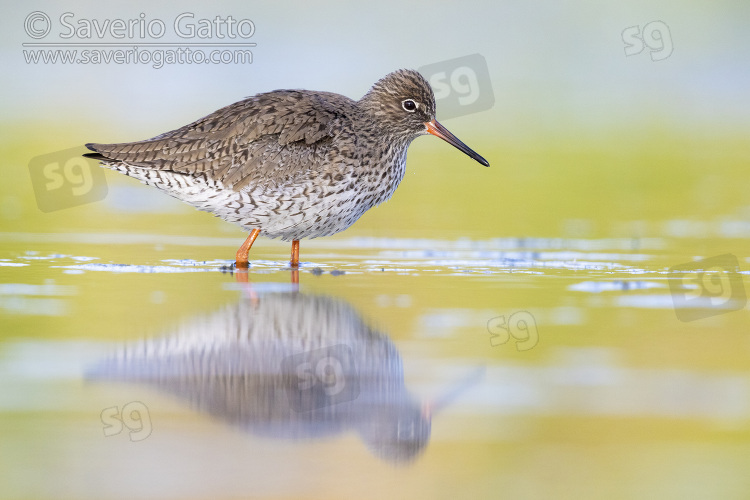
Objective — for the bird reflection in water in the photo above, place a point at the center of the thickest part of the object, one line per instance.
(286, 365)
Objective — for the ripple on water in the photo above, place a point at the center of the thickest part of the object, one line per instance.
(406, 256)
(614, 286)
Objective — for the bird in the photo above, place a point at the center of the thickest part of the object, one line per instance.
(289, 164)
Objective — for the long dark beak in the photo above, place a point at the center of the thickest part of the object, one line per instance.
(434, 128)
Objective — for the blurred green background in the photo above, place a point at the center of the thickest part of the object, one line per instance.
(584, 141)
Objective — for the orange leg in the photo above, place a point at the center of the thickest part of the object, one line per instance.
(295, 254)
(241, 257)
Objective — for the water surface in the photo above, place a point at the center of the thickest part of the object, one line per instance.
(394, 367)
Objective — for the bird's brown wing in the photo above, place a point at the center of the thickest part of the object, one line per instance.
(265, 139)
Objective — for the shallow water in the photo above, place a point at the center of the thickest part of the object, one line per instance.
(141, 365)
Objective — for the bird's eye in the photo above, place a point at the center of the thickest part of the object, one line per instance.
(409, 105)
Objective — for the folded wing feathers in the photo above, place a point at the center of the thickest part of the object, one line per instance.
(263, 137)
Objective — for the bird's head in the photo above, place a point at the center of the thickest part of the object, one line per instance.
(403, 104)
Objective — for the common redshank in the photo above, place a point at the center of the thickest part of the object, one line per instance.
(291, 164)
